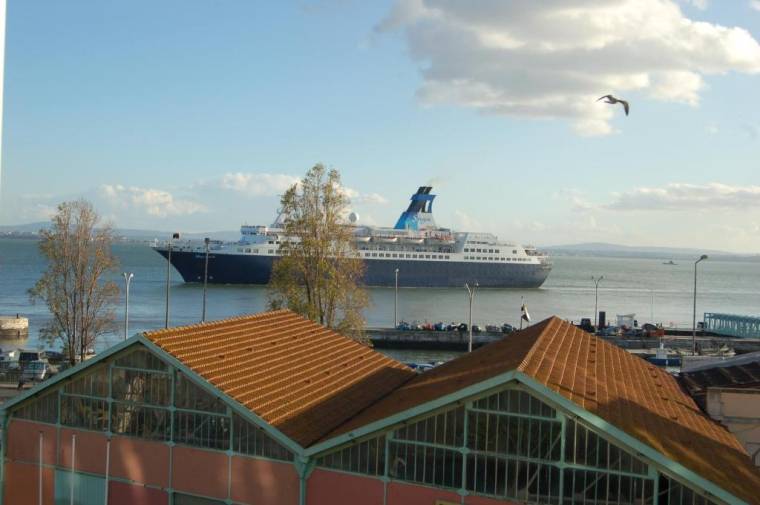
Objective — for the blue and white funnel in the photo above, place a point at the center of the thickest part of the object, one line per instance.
(419, 215)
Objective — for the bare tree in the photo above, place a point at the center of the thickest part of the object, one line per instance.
(74, 286)
(319, 272)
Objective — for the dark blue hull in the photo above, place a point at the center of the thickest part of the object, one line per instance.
(255, 269)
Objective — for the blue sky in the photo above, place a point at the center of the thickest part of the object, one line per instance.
(194, 115)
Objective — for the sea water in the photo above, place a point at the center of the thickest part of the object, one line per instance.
(655, 292)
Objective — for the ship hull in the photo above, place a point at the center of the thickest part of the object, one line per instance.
(256, 269)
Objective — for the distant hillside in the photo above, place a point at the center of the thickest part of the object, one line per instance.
(126, 233)
(617, 250)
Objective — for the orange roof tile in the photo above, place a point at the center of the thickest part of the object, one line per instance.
(624, 390)
(300, 377)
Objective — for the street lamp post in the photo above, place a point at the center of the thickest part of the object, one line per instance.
(395, 303)
(694, 313)
(596, 295)
(471, 292)
(127, 280)
(168, 276)
(205, 279)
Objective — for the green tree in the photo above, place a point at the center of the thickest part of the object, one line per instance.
(74, 286)
(319, 272)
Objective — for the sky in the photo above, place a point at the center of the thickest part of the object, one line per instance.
(194, 115)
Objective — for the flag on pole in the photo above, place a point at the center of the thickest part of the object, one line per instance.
(525, 316)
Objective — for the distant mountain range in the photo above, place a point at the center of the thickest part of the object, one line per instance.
(617, 250)
(125, 233)
(582, 249)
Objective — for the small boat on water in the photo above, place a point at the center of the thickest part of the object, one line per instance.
(671, 262)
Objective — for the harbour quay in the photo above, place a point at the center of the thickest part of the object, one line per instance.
(678, 340)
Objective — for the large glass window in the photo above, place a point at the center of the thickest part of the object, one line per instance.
(673, 492)
(515, 401)
(202, 430)
(87, 489)
(141, 358)
(515, 479)
(584, 447)
(140, 421)
(188, 395)
(84, 412)
(367, 457)
(425, 464)
(250, 439)
(592, 487)
(94, 383)
(140, 386)
(443, 429)
(43, 409)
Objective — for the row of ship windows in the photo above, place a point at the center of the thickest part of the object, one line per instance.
(497, 251)
(489, 258)
(413, 256)
(407, 255)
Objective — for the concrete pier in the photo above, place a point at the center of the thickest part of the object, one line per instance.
(389, 338)
(14, 326)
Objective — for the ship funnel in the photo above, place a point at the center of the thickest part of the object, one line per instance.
(419, 214)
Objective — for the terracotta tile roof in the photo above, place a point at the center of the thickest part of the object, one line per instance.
(624, 390)
(300, 377)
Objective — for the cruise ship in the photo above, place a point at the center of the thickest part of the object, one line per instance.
(424, 254)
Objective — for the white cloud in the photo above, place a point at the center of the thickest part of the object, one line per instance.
(553, 59)
(754, 5)
(154, 202)
(752, 131)
(263, 184)
(679, 196)
(575, 197)
(358, 198)
(257, 184)
(699, 4)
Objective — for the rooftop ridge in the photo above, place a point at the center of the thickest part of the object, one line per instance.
(211, 324)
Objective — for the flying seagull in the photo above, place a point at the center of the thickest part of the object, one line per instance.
(612, 99)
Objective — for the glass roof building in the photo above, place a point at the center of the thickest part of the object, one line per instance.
(274, 409)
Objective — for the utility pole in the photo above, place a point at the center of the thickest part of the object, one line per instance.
(127, 280)
(395, 303)
(596, 296)
(694, 314)
(168, 276)
(471, 293)
(205, 280)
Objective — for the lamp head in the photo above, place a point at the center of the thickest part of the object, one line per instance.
(703, 257)
(206, 240)
(175, 235)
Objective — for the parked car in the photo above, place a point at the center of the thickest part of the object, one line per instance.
(404, 326)
(634, 333)
(462, 327)
(476, 328)
(507, 328)
(609, 331)
(439, 326)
